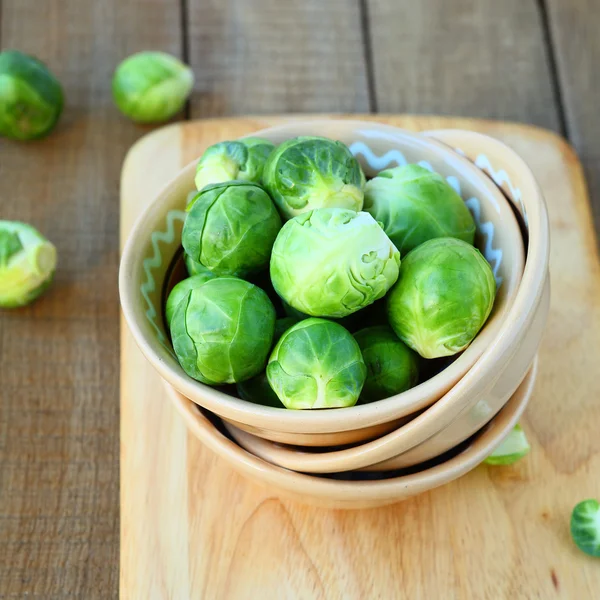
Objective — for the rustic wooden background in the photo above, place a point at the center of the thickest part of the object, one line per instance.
(532, 61)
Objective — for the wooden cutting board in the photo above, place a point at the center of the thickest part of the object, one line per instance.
(193, 528)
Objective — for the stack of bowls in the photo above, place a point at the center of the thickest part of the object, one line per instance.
(382, 452)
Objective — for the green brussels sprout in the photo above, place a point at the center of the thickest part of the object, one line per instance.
(415, 205)
(150, 87)
(316, 364)
(332, 262)
(193, 267)
(31, 98)
(243, 160)
(512, 449)
(231, 227)
(180, 291)
(223, 330)
(257, 389)
(444, 294)
(313, 172)
(585, 527)
(27, 264)
(392, 367)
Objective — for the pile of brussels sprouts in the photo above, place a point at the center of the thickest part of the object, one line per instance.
(310, 287)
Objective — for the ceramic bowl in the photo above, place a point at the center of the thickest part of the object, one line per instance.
(351, 493)
(301, 460)
(154, 246)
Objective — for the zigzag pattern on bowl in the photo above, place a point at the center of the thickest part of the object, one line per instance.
(486, 229)
(155, 261)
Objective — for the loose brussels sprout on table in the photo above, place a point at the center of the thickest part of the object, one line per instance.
(316, 364)
(332, 262)
(415, 205)
(444, 294)
(231, 227)
(305, 173)
(31, 98)
(180, 291)
(150, 87)
(27, 264)
(392, 367)
(585, 527)
(240, 159)
(222, 331)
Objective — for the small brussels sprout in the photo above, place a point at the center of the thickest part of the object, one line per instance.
(180, 291)
(392, 367)
(150, 87)
(444, 294)
(240, 159)
(585, 527)
(257, 389)
(231, 227)
(222, 331)
(31, 98)
(415, 205)
(316, 364)
(513, 448)
(332, 262)
(27, 264)
(313, 172)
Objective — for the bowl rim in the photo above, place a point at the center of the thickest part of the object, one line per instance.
(307, 421)
(348, 493)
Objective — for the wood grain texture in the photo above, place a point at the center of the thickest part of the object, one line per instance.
(265, 56)
(193, 528)
(59, 411)
(475, 58)
(574, 30)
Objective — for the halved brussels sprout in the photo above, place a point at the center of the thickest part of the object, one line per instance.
(27, 264)
(240, 159)
(392, 367)
(444, 294)
(31, 98)
(180, 291)
(316, 364)
(415, 205)
(305, 173)
(150, 87)
(222, 331)
(512, 449)
(585, 527)
(332, 262)
(231, 227)
(257, 389)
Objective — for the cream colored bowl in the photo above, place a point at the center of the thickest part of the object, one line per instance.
(154, 244)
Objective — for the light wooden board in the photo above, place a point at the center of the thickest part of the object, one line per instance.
(192, 528)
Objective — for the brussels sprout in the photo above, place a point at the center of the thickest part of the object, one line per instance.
(150, 87)
(316, 364)
(27, 264)
(512, 449)
(241, 159)
(180, 291)
(444, 294)
(415, 205)
(193, 267)
(313, 172)
(585, 527)
(231, 227)
(392, 367)
(31, 98)
(222, 331)
(332, 262)
(257, 389)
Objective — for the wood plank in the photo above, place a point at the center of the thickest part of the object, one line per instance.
(266, 56)
(574, 27)
(475, 58)
(59, 415)
(196, 529)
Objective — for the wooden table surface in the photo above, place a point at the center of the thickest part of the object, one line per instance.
(532, 61)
